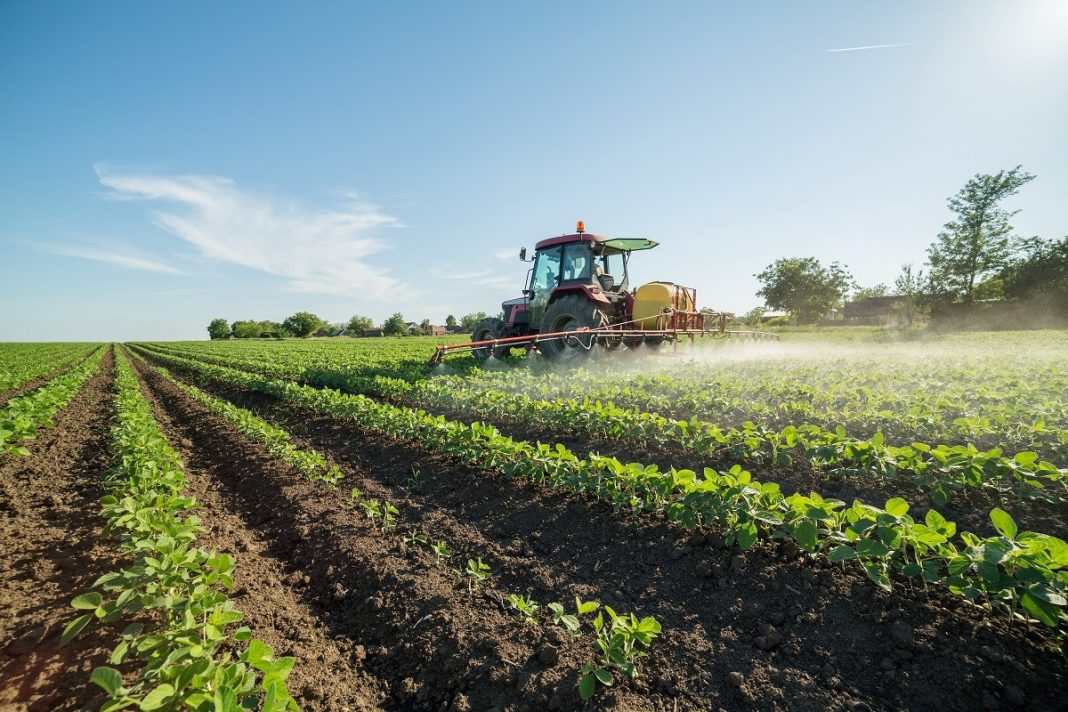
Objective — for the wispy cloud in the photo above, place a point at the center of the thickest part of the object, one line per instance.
(478, 278)
(111, 256)
(506, 253)
(878, 46)
(319, 250)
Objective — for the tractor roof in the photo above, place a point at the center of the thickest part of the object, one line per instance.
(623, 244)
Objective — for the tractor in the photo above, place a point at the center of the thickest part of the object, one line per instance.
(578, 294)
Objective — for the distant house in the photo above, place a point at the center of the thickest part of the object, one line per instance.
(873, 311)
(455, 329)
(336, 332)
(435, 331)
(373, 332)
(769, 315)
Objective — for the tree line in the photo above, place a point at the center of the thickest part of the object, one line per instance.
(975, 257)
(303, 324)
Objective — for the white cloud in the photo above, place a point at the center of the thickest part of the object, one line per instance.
(116, 258)
(878, 46)
(316, 250)
(506, 253)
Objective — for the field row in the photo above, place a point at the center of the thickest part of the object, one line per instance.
(1023, 571)
(937, 469)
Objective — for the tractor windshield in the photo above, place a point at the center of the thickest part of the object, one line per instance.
(577, 261)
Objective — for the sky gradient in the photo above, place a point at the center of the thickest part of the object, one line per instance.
(162, 165)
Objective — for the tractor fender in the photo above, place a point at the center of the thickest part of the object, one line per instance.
(594, 294)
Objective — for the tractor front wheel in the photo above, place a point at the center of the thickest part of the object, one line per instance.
(487, 330)
(570, 313)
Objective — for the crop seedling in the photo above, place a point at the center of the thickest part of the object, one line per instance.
(477, 572)
(414, 480)
(415, 537)
(356, 495)
(441, 550)
(373, 509)
(620, 642)
(572, 622)
(526, 607)
(389, 515)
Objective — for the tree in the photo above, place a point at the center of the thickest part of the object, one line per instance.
(911, 284)
(358, 324)
(303, 324)
(219, 329)
(450, 320)
(395, 325)
(1040, 273)
(425, 326)
(804, 287)
(753, 317)
(879, 290)
(978, 242)
(470, 321)
(245, 329)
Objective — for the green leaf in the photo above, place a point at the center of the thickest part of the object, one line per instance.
(897, 507)
(75, 627)
(1044, 612)
(108, 678)
(587, 686)
(841, 553)
(87, 601)
(1003, 523)
(157, 698)
(805, 534)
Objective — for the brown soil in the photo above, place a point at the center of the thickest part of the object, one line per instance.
(764, 629)
(51, 551)
(330, 673)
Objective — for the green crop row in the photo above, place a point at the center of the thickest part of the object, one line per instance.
(1025, 572)
(1004, 390)
(938, 468)
(22, 417)
(277, 441)
(21, 363)
(179, 629)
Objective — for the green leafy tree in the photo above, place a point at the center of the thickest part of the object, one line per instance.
(270, 329)
(450, 320)
(245, 329)
(303, 324)
(804, 287)
(978, 242)
(358, 324)
(1041, 272)
(879, 290)
(753, 317)
(469, 321)
(912, 284)
(219, 329)
(395, 325)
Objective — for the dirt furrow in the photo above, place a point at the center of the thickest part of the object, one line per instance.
(36, 383)
(50, 551)
(412, 622)
(764, 627)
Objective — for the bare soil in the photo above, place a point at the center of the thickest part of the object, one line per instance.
(51, 551)
(769, 628)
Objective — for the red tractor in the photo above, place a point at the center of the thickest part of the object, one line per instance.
(578, 294)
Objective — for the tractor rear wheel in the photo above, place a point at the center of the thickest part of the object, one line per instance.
(570, 313)
(486, 330)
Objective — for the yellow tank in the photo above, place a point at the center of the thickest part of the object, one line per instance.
(651, 299)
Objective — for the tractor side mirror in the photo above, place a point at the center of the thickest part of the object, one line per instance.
(523, 254)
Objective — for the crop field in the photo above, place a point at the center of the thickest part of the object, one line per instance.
(837, 520)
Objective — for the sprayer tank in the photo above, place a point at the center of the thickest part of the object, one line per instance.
(651, 299)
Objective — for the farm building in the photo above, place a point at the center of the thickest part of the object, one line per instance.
(373, 332)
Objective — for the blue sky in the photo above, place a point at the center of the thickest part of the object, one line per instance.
(164, 164)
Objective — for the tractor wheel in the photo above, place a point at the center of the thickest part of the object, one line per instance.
(489, 329)
(569, 313)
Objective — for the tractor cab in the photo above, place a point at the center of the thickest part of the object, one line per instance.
(578, 282)
(582, 263)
